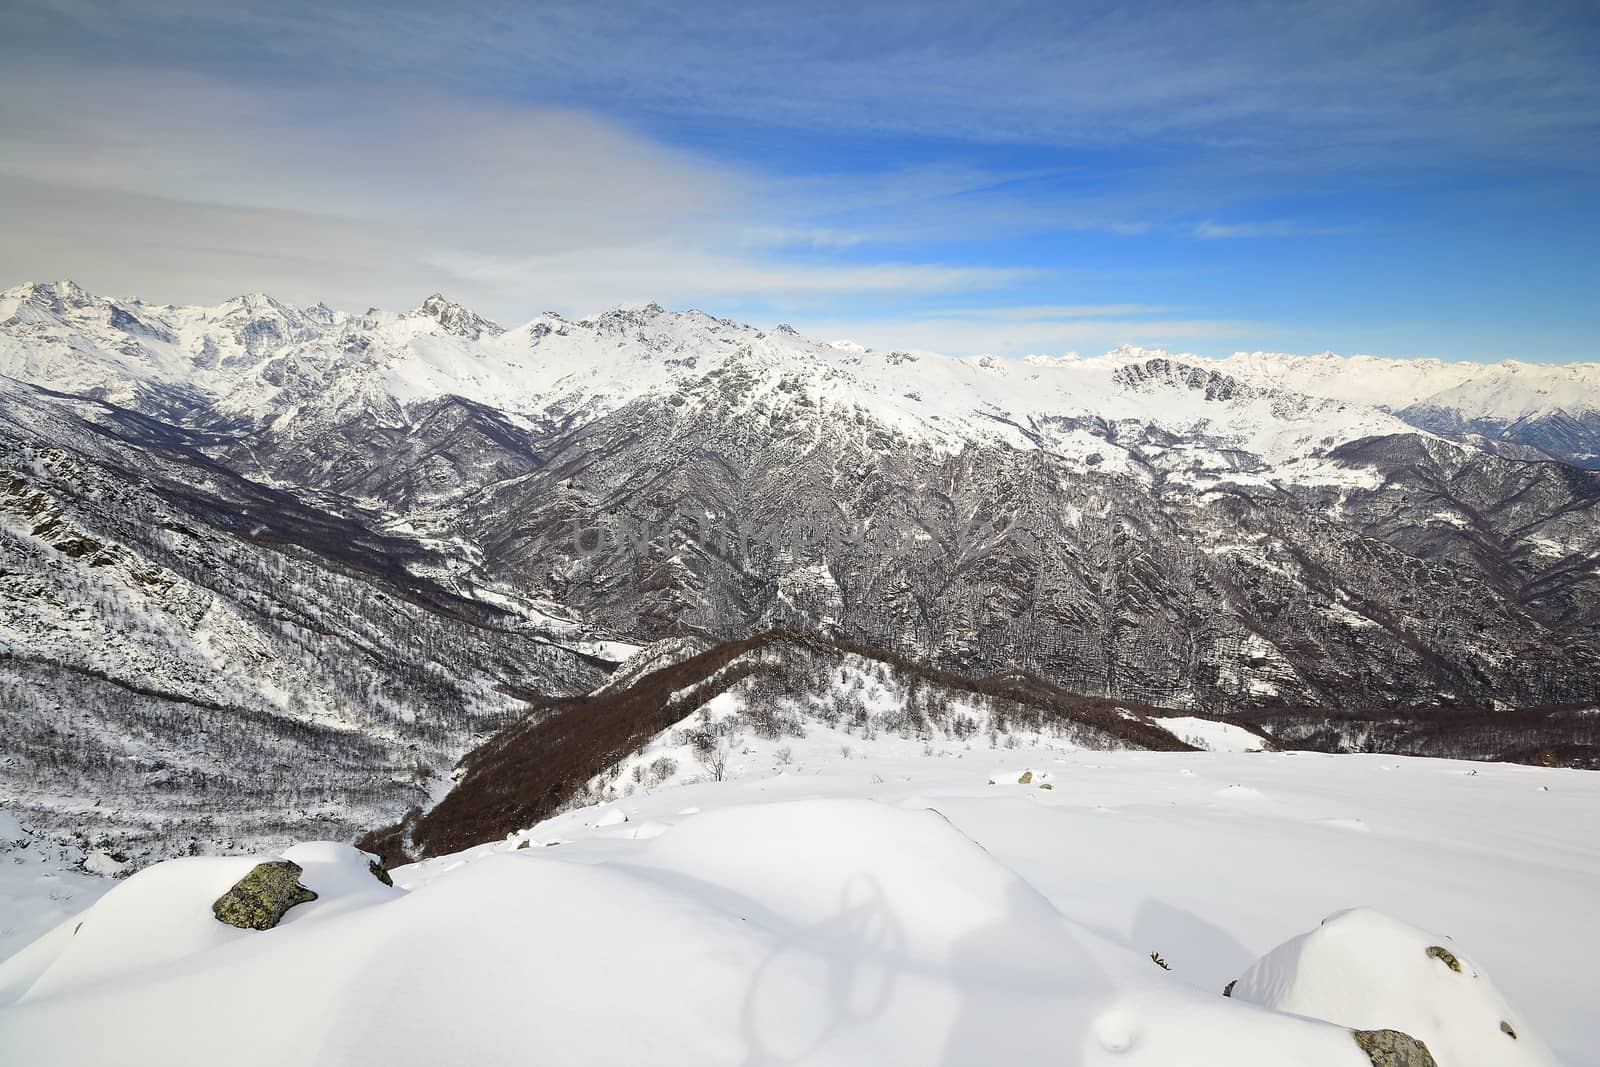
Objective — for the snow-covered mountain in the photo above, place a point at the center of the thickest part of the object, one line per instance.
(505, 513)
(190, 658)
(253, 356)
(1554, 407)
(295, 370)
(639, 424)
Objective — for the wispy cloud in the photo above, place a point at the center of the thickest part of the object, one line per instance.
(590, 278)
(1480, 76)
(1211, 231)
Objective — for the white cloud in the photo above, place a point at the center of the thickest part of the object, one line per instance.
(179, 189)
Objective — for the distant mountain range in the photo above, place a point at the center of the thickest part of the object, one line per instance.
(313, 556)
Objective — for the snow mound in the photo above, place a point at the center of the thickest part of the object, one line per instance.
(162, 915)
(343, 877)
(804, 932)
(1365, 970)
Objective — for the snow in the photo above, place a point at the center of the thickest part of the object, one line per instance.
(889, 907)
(59, 336)
(162, 915)
(1371, 972)
(385, 361)
(1508, 390)
(41, 884)
(1211, 735)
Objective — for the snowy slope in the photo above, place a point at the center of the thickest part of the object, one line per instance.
(169, 632)
(1554, 407)
(888, 907)
(1211, 735)
(43, 883)
(1510, 389)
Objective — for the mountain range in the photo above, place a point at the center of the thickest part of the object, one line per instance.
(307, 559)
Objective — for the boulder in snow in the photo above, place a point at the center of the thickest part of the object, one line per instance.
(1391, 1048)
(259, 899)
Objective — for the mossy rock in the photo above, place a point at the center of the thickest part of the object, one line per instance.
(1027, 776)
(259, 900)
(379, 873)
(1445, 956)
(1391, 1048)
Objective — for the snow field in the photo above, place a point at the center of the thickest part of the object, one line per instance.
(889, 907)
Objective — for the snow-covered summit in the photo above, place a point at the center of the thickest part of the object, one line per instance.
(457, 319)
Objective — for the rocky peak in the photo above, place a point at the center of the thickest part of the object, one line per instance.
(56, 297)
(457, 319)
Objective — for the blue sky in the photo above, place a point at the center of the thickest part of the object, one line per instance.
(1402, 179)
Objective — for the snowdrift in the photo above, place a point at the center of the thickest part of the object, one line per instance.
(803, 932)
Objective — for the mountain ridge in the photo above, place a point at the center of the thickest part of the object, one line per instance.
(1551, 406)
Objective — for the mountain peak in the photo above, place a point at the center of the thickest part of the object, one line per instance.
(54, 297)
(253, 301)
(629, 312)
(456, 318)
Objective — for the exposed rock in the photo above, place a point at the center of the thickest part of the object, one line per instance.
(1445, 956)
(259, 900)
(379, 873)
(1391, 1048)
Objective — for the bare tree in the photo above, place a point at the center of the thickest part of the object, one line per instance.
(715, 760)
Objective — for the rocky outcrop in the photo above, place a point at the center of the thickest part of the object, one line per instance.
(259, 900)
(1391, 1048)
